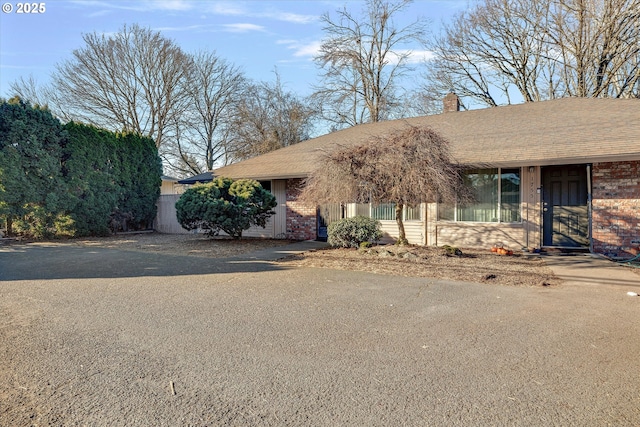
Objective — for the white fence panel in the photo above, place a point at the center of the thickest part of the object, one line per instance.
(166, 221)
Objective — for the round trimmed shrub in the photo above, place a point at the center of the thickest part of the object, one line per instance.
(351, 232)
(225, 205)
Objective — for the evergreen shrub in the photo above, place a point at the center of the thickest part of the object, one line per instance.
(351, 232)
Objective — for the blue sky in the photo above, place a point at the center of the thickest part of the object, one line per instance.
(257, 36)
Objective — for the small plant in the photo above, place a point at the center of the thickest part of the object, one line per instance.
(366, 245)
(352, 232)
(451, 250)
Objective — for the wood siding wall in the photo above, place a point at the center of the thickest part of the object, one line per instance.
(279, 189)
(414, 230)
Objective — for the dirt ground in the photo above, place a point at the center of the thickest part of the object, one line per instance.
(181, 244)
(473, 265)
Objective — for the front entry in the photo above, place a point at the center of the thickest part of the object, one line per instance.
(325, 216)
(565, 215)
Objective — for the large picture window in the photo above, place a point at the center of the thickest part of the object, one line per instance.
(496, 194)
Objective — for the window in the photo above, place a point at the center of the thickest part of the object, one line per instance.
(412, 213)
(496, 195)
(510, 195)
(387, 212)
(383, 211)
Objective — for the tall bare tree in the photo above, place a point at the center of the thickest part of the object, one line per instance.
(361, 60)
(29, 90)
(540, 50)
(598, 45)
(134, 80)
(202, 136)
(269, 117)
(43, 94)
(407, 167)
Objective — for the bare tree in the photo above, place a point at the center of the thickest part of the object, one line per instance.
(202, 133)
(598, 45)
(132, 81)
(539, 49)
(407, 167)
(29, 90)
(267, 118)
(361, 60)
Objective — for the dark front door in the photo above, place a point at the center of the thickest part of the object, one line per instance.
(565, 216)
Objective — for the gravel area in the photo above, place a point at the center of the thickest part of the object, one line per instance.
(93, 335)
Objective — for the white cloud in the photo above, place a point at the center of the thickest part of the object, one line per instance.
(242, 9)
(99, 13)
(140, 6)
(414, 56)
(292, 17)
(92, 5)
(302, 49)
(242, 28)
(185, 28)
(169, 4)
(227, 8)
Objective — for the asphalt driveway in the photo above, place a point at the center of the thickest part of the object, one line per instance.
(113, 338)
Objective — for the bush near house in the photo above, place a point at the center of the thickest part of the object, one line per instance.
(352, 232)
(225, 205)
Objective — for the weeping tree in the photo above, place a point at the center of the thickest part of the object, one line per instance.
(407, 167)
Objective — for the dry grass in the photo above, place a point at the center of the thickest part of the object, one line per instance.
(182, 244)
(473, 265)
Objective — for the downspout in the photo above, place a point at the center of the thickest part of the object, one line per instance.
(589, 208)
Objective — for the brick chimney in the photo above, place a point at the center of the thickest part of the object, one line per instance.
(451, 103)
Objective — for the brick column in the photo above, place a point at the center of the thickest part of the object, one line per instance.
(301, 219)
(616, 209)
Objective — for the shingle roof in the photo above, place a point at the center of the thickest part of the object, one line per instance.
(203, 177)
(562, 131)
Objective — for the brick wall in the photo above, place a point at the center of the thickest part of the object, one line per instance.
(301, 219)
(616, 208)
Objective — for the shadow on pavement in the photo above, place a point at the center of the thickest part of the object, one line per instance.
(26, 262)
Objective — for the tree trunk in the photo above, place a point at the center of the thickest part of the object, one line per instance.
(9, 223)
(402, 238)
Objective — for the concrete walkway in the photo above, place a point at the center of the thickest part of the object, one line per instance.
(593, 270)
